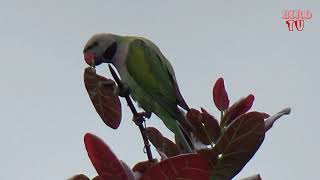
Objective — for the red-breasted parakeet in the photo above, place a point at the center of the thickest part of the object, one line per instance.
(146, 71)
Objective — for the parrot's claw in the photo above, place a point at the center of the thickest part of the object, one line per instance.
(145, 114)
(124, 91)
(139, 117)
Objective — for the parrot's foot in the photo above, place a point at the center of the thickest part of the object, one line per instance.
(145, 114)
(139, 117)
(124, 91)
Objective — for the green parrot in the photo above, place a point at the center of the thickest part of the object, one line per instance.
(147, 73)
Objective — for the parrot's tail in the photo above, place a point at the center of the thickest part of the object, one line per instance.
(187, 139)
(185, 129)
(184, 123)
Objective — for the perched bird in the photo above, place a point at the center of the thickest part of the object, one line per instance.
(146, 71)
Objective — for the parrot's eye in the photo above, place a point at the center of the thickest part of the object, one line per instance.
(91, 46)
(111, 50)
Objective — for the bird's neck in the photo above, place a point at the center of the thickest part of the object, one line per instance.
(120, 58)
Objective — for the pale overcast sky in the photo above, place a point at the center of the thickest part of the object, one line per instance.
(45, 110)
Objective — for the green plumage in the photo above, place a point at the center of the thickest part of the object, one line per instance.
(150, 82)
(151, 79)
(146, 71)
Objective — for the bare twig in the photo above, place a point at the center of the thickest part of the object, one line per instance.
(138, 119)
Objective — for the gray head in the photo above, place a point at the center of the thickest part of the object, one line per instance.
(100, 48)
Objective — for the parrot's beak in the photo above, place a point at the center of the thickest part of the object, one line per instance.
(89, 57)
(93, 61)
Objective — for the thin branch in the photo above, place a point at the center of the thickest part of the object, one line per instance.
(138, 119)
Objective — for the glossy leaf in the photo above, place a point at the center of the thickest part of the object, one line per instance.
(162, 143)
(79, 177)
(195, 118)
(220, 96)
(188, 167)
(211, 155)
(155, 136)
(103, 159)
(206, 127)
(101, 92)
(211, 125)
(238, 144)
(265, 115)
(240, 107)
(143, 166)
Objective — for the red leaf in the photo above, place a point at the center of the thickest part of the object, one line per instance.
(211, 125)
(79, 177)
(238, 144)
(96, 178)
(189, 167)
(240, 107)
(220, 96)
(265, 115)
(101, 92)
(162, 143)
(154, 136)
(210, 155)
(206, 127)
(104, 161)
(143, 166)
(195, 118)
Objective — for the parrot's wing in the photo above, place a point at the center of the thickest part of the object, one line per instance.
(180, 100)
(149, 71)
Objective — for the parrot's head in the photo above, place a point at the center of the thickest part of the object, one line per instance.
(100, 49)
